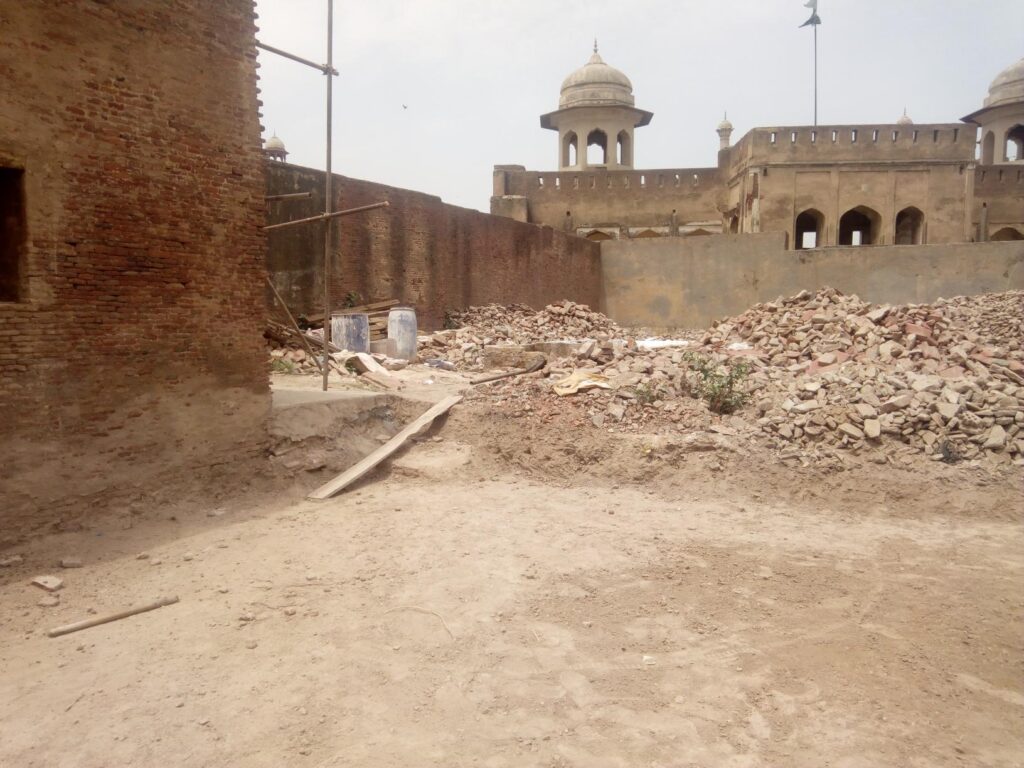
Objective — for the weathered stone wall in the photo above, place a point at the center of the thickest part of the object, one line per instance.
(688, 282)
(421, 251)
(776, 173)
(881, 143)
(1001, 189)
(599, 198)
(940, 192)
(133, 357)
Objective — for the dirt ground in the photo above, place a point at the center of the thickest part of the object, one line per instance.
(519, 593)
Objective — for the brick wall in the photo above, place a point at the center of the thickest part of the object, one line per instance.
(134, 356)
(421, 251)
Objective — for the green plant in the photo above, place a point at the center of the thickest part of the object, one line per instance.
(450, 322)
(352, 299)
(647, 393)
(280, 365)
(720, 385)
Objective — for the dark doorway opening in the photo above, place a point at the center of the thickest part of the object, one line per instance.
(12, 232)
(859, 226)
(1007, 233)
(909, 227)
(809, 229)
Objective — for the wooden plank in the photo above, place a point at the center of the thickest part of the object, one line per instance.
(301, 335)
(356, 471)
(374, 308)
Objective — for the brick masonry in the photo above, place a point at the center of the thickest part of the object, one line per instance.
(134, 359)
(421, 251)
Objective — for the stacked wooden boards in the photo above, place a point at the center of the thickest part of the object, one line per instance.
(377, 311)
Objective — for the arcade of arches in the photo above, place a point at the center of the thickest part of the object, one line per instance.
(859, 226)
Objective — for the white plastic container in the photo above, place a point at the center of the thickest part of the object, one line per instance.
(351, 331)
(402, 333)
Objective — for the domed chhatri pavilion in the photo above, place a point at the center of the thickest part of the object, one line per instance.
(898, 183)
(596, 109)
(1001, 118)
(273, 149)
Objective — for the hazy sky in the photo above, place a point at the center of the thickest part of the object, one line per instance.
(476, 75)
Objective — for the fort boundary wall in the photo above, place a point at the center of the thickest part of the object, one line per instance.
(689, 282)
(428, 254)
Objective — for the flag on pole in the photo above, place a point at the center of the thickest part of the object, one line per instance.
(815, 20)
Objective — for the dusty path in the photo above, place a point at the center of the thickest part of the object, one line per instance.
(505, 622)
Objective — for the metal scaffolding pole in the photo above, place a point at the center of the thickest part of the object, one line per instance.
(328, 201)
(329, 213)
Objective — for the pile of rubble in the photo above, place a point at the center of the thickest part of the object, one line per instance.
(829, 372)
(477, 327)
(292, 360)
(946, 378)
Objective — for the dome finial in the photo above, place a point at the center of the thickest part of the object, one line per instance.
(595, 45)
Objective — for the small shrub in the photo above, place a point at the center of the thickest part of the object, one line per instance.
(352, 299)
(450, 322)
(280, 365)
(718, 385)
(647, 393)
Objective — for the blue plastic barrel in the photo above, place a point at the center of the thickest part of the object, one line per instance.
(351, 331)
(402, 333)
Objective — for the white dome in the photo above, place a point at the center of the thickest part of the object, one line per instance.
(596, 84)
(1008, 87)
(274, 143)
(904, 119)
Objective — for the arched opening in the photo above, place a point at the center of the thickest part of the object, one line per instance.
(909, 227)
(1007, 233)
(569, 149)
(809, 228)
(597, 236)
(734, 224)
(1015, 144)
(625, 147)
(988, 148)
(859, 226)
(698, 232)
(597, 147)
(647, 233)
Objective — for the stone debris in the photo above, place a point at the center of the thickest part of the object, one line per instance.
(944, 378)
(71, 562)
(9, 560)
(829, 374)
(473, 329)
(49, 583)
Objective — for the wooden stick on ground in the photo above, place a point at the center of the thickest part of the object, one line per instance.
(85, 624)
(356, 471)
(305, 342)
(535, 366)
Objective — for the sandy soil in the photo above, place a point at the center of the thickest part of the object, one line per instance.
(517, 594)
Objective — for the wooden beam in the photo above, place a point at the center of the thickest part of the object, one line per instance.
(301, 335)
(95, 622)
(356, 471)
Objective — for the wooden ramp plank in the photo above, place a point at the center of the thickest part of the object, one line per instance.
(356, 471)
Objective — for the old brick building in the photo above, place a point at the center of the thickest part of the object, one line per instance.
(131, 256)
(827, 185)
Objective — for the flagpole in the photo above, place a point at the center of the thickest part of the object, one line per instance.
(815, 75)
